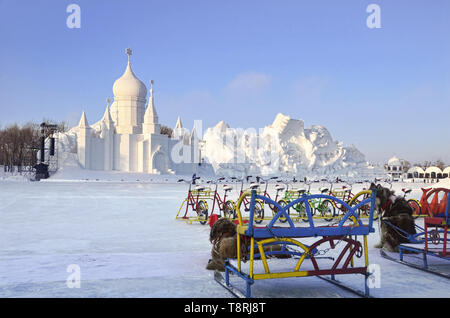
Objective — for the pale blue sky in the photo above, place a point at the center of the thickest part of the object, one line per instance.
(385, 90)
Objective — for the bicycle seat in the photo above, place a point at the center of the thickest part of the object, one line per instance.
(407, 191)
(323, 190)
(254, 186)
(199, 188)
(280, 187)
(301, 191)
(227, 187)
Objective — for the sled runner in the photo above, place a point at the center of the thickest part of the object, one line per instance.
(256, 262)
(416, 249)
(234, 291)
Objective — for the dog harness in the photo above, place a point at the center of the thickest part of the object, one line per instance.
(389, 202)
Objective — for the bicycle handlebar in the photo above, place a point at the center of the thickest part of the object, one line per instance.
(265, 180)
(189, 181)
(241, 179)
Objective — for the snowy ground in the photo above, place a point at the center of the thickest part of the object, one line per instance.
(127, 243)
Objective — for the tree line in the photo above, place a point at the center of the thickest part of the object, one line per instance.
(438, 163)
(19, 144)
(424, 165)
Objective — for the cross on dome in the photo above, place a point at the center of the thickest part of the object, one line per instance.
(129, 52)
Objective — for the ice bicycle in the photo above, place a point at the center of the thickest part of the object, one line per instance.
(195, 202)
(258, 206)
(226, 207)
(320, 209)
(427, 241)
(336, 211)
(307, 258)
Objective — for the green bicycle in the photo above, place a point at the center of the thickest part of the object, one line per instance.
(320, 208)
(289, 196)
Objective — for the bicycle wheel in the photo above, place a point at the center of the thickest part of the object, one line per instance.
(202, 212)
(272, 207)
(315, 205)
(365, 209)
(327, 210)
(376, 215)
(417, 209)
(258, 212)
(282, 218)
(301, 209)
(229, 210)
(340, 210)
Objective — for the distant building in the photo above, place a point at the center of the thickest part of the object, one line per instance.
(430, 173)
(415, 173)
(433, 173)
(446, 172)
(395, 167)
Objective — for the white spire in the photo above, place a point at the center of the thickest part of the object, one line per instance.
(107, 119)
(178, 131)
(178, 125)
(193, 136)
(150, 125)
(151, 88)
(151, 117)
(83, 121)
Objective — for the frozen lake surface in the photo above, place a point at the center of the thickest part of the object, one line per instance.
(127, 243)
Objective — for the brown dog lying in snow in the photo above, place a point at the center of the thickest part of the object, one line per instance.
(223, 236)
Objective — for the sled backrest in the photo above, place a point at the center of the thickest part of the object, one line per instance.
(436, 207)
(443, 204)
(271, 230)
(447, 212)
(444, 207)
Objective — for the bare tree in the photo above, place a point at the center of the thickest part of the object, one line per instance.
(424, 165)
(440, 164)
(166, 131)
(18, 144)
(406, 165)
(61, 126)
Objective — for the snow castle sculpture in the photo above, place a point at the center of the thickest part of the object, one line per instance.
(128, 137)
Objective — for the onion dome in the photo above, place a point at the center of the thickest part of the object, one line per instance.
(128, 85)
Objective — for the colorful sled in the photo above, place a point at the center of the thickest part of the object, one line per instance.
(259, 237)
(429, 242)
